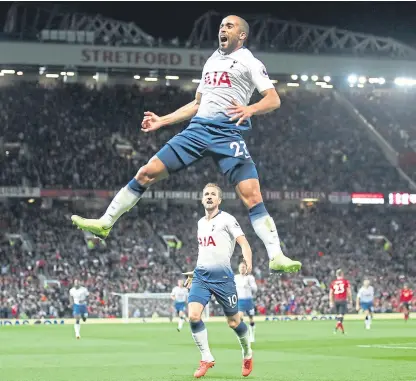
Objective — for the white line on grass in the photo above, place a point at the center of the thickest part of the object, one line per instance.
(385, 347)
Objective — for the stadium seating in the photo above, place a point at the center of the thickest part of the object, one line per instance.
(75, 137)
(71, 133)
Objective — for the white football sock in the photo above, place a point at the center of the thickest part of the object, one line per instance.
(122, 203)
(265, 229)
(245, 345)
(180, 323)
(252, 330)
(77, 328)
(201, 340)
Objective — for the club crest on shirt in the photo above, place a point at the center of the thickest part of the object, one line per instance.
(264, 72)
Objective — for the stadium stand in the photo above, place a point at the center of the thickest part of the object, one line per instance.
(70, 136)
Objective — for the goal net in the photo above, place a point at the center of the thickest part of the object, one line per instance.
(148, 306)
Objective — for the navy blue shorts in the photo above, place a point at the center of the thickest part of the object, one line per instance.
(224, 292)
(226, 147)
(246, 306)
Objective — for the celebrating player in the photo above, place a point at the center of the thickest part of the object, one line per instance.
(219, 114)
(406, 296)
(365, 298)
(180, 296)
(218, 232)
(78, 298)
(246, 286)
(339, 291)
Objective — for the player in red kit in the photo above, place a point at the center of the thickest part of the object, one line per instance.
(339, 293)
(406, 296)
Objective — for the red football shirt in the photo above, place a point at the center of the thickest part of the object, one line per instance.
(340, 287)
(406, 296)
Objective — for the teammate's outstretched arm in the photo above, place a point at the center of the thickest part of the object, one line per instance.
(152, 122)
(247, 253)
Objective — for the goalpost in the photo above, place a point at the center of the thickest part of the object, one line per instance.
(146, 305)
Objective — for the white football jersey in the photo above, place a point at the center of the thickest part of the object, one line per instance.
(216, 238)
(180, 294)
(80, 295)
(246, 285)
(366, 294)
(230, 76)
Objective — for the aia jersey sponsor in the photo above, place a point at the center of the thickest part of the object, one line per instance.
(228, 77)
(340, 288)
(216, 240)
(406, 296)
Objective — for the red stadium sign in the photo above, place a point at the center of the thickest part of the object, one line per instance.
(367, 198)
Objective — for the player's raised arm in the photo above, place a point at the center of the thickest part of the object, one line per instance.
(152, 122)
(246, 249)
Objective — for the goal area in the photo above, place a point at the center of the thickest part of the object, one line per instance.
(148, 306)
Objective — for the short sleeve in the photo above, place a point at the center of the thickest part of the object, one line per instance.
(234, 228)
(259, 76)
(200, 88)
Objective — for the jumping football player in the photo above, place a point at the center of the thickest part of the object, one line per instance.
(218, 232)
(219, 114)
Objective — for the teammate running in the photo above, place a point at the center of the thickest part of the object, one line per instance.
(246, 286)
(406, 296)
(218, 232)
(78, 298)
(339, 291)
(219, 114)
(180, 296)
(365, 299)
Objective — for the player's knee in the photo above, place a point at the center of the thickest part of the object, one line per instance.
(194, 316)
(234, 321)
(145, 175)
(250, 194)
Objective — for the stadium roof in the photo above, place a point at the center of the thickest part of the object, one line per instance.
(266, 33)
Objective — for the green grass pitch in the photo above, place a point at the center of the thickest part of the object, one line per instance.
(284, 351)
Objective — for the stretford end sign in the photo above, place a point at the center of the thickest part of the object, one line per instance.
(36, 53)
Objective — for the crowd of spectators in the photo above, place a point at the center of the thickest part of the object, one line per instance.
(75, 137)
(71, 137)
(35, 283)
